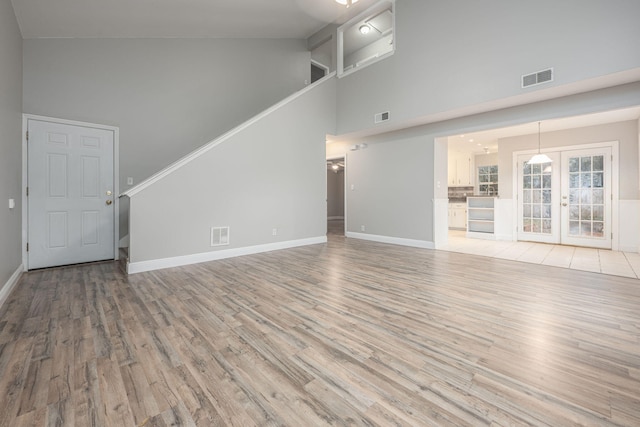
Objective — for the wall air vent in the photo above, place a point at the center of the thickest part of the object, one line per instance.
(537, 78)
(381, 117)
(219, 236)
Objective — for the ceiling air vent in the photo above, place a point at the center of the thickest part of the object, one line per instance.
(537, 78)
(381, 117)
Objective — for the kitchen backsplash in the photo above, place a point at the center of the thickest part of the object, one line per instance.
(459, 194)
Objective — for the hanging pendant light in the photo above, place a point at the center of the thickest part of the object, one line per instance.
(539, 158)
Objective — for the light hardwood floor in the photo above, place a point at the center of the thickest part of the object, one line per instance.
(347, 333)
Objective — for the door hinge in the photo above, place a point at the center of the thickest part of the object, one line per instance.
(27, 191)
(27, 247)
(27, 135)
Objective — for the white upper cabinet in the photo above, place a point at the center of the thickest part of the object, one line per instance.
(461, 169)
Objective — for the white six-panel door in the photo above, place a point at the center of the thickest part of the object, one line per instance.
(71, 201)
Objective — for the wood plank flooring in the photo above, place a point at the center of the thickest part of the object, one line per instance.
(350, 333)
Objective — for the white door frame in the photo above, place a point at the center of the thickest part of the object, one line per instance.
(25, 172)
(615, 183)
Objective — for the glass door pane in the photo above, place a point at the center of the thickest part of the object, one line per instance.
(537, 196)
(586, 198)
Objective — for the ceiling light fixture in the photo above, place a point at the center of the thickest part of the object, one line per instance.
(335, 167)
(347, 3)
(539, 158)
(364, 29)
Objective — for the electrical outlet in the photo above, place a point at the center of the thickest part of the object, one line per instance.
(362, 228)
(129, 180)
(274, 232)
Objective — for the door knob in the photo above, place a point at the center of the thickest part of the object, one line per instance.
(109, 202)
(108, 192)
(564, 204)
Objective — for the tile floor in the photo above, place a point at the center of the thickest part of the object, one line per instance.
(625, 264)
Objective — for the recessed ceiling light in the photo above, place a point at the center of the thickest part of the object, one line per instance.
(347, 2)
(471, 140)
(364, 29)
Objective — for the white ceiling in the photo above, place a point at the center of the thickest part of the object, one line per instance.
(477, 141)
(179, 18)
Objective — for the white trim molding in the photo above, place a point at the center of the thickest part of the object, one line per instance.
(440, 218)
(423, 244)
(158, 264)
(212, 144)
(11, 283)
(629, 229)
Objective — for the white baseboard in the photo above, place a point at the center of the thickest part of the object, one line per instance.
(332, 218)
(157, 264)
(124, 242)
(392, 240)
(11, 283)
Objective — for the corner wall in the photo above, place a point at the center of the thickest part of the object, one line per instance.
(10, 147)
(167, 96)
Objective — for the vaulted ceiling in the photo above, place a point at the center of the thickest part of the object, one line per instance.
(179, 18)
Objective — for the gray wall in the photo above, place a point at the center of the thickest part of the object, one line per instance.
(271, 174)
(335, 193)
(168, 96)
(10, 141)
(626, 133)
(484, 160)
(394, 177)
(452, 55)
(392, 183)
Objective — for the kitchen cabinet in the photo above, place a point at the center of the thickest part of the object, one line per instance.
(458, 216)
(460, 169)
(480, 217)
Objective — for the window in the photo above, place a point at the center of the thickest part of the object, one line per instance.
(366, 38)
(488, 180)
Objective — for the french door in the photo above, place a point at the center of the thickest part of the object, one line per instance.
(568, 200)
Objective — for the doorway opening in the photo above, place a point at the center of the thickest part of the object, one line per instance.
(336, 196)
(318, 71)
(569, 200)
(588, 199)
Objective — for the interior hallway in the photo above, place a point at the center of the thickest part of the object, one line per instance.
(626, 264)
